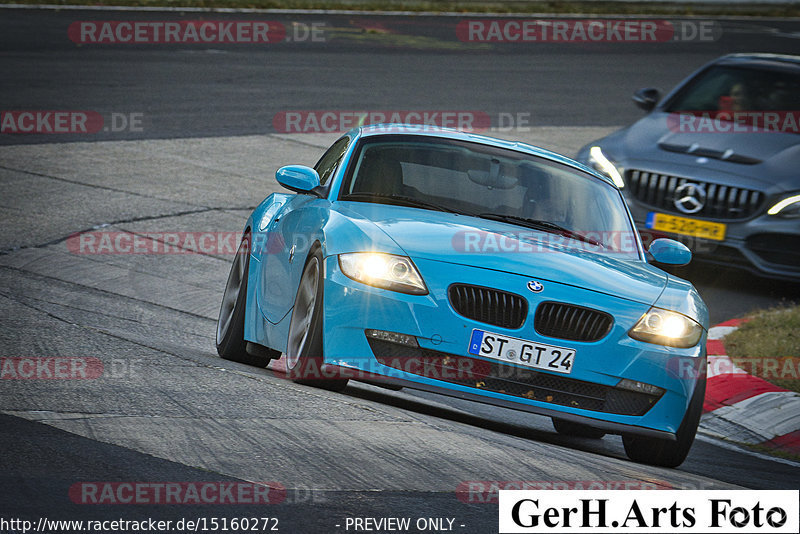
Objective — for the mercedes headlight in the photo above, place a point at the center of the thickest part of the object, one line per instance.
(664, 327)
(788, 207)
(386, 271)
(601, 163)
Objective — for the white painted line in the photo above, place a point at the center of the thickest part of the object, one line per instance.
(723, 365)
(770, 414)
(718, 332)
(723, 428)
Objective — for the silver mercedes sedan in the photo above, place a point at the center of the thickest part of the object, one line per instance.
(716, 163)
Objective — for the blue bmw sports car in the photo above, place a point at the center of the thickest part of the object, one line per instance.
(483, 269)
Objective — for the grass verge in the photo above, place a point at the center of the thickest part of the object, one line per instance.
(768, 346)
(643, 7)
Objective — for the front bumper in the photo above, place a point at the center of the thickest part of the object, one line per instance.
(441, 362)
(767, 245)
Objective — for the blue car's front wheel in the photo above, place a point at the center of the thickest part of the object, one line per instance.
(665, 453)
(304, 347)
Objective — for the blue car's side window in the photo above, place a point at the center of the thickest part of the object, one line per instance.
(329, 162)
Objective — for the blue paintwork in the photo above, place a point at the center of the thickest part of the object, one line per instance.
(289, 226)
(439, 235)
(670, 252)
(297, 178)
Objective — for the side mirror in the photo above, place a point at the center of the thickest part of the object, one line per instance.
(298, 178)
(669, 252)
(647, 98)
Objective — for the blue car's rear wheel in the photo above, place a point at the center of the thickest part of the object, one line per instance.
(667, 453)
(304, 347)
(231, 344)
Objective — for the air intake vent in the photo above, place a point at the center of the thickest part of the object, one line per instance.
(490, 306)
(567, 321)
(719, 202)
(527, 383)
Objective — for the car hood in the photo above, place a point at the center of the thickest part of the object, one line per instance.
(498, 246)
(766, 158)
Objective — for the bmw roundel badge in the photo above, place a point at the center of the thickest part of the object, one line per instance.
(535, 286)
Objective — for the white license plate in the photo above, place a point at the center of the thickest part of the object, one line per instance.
(521, 352)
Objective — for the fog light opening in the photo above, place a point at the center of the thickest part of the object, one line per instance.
(392, 337)
(640, 387)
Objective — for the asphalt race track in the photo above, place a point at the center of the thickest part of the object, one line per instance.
(157, 404)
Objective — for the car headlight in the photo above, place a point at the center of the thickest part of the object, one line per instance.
(386, 271)
(788, 207)
(664, 327)
(600, 162)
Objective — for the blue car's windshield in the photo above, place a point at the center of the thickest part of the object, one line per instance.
(532, 193)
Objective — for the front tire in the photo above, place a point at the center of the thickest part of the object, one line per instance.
(231, 344)
(304, 347)
(667, 453)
